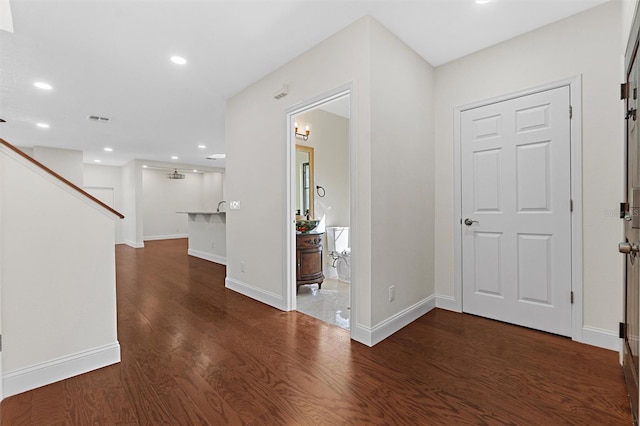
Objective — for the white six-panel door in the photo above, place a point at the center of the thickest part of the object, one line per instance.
(516, 170)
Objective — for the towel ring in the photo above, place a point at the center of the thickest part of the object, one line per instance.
(319, 189)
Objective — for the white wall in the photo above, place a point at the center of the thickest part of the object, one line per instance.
(208, 237)
(628, 11)
(402, 176)
(330, 142)
(213, 191)
(256, 142)
(163, 198)
(107, 177)
(57, 270)
(255, 172)
(132, 200)
(586, 44)
(148, 206)
(65, 162)
(28, 151)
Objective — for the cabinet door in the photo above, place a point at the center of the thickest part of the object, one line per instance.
(310, 265)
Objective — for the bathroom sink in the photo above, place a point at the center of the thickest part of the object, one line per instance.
(304, 226)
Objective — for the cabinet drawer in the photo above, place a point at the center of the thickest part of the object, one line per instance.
(308, 241)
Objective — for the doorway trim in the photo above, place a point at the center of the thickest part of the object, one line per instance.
(575, 93)
(2, 159)
(289, 272)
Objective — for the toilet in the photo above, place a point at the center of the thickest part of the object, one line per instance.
(340, 250)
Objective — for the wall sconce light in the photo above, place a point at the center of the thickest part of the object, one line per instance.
(305, 135)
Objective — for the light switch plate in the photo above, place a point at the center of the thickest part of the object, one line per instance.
(234, 205)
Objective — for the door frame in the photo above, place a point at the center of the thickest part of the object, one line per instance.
(631, 53)
(575, 94)
(289, 284)
(2, 158)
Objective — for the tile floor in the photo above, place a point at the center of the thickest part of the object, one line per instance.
(329, 304)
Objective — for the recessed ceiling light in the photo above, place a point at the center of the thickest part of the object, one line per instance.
(144, 166)
(202, 146)
(97, 161)
(43, 125)
(195, 171)
(107, 149)
(42, 85)
(178, 60)
(173, 157)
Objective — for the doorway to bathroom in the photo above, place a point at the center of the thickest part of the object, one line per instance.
(320, 187)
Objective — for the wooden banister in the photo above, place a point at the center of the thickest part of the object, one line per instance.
(57, 176)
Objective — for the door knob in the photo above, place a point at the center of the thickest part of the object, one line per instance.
(627, 248)
(470, 222)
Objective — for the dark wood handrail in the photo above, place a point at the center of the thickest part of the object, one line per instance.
(57, 176)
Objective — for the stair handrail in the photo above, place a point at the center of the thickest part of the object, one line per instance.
(60, 178)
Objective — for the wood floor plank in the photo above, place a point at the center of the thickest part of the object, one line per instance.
(182, 408)
(115, 401)
(149, 410)
(48, 404)
(194, 352)
(204, 395)
(18, 412)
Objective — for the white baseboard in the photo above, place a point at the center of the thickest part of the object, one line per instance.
(134, 244)
(590, 335)
(376, 334)
(207, 256)
(606, 339)
(24, 379)
(164, 237)
(266, 297)
(448, 303)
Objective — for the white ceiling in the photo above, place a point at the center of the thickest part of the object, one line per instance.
(111, 58)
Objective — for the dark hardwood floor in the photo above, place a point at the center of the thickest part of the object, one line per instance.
(196, 353)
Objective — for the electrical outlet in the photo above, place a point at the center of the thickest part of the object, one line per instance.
(234, 205)
(213, 245)
(242, 265)
(392, 293)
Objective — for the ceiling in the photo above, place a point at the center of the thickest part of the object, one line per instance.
(110, 58)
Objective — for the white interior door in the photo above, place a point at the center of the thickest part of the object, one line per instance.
(516, 194)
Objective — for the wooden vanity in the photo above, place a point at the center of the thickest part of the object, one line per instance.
(309, 259)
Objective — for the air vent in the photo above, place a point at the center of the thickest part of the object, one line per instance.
(99, 119)
(217, 157)
(284, 91)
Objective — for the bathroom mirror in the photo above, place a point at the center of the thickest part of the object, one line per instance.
(304, 180)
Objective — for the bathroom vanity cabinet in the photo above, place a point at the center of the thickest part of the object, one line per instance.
(309, 259)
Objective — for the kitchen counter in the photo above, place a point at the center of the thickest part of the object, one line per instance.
(208, 235)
